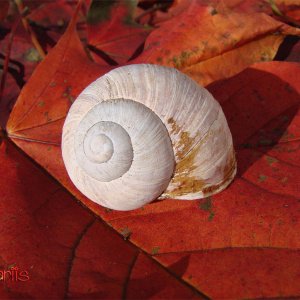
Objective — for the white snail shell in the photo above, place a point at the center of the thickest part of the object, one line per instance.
(144, 131)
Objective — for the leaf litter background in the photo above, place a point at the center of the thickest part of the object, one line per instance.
(241, 243)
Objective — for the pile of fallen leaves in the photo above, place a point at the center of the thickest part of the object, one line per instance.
(241, 243)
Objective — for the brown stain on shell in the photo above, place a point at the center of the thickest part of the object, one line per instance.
(185, 142)
(185, 184)
(174, 127)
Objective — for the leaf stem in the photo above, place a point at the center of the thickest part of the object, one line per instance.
(151, 10)
(281, 16)
(275, 8)
(6, 60)
(28, 28)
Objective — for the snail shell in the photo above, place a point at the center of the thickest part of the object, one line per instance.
(144, 131)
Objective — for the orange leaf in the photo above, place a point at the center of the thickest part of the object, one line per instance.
(241, 243)
(54, 86)
(60, 250)
(113, 32)
(260, 209)
(210, 45)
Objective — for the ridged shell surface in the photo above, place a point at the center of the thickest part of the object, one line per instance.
(144, 131)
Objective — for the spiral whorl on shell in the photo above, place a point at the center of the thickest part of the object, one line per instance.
(144, 131)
